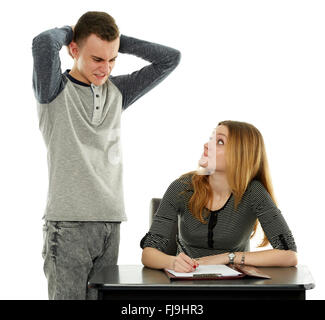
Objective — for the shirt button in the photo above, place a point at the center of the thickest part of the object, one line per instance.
(97, 108)
(97, 95)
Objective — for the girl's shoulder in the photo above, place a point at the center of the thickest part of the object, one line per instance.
(258, 193)
(255, 185)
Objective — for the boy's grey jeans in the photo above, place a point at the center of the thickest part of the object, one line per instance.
(73, 252)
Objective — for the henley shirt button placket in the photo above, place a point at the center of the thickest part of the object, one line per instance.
(97, 100)
(96, 116)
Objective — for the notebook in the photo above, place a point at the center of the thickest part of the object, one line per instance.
(217, 272)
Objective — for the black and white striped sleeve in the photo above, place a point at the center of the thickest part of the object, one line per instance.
(270, 218)
(164, 220)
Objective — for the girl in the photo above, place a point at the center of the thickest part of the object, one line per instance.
(218, 207)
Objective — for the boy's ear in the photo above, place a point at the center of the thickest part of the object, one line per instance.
(73, 50)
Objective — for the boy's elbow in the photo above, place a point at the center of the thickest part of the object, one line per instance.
(177, 58)
(39, 40)
(172, 61)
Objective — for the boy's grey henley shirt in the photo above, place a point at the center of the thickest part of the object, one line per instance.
(80, 124)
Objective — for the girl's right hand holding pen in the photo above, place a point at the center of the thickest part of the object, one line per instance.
(183, 263)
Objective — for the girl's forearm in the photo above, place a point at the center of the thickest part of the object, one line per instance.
(269, 258)
(153, 258)
(265, 258)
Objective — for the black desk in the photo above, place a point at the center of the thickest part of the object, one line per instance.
(138, 283)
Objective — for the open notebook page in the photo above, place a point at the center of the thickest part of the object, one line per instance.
(220, 269)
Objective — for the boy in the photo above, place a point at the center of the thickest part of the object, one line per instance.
(79, 116)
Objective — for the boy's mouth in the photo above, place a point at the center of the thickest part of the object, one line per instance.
(100, 76)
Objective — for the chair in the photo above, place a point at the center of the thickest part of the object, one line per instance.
(172, 247)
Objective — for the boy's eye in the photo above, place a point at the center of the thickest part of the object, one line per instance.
(98, 60)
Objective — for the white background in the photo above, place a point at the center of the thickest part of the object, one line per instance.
(255, 61)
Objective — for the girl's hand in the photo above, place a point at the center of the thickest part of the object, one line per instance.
(183, 263)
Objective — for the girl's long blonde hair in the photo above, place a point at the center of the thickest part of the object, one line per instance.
(245, 160)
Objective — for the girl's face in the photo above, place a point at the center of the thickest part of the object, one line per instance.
(213, 158)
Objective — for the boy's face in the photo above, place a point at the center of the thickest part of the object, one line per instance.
(94, 59)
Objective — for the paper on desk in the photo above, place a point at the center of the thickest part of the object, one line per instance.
(220, 269)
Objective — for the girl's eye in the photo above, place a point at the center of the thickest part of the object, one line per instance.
(219, 140)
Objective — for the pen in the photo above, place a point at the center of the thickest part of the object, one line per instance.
(183, 249)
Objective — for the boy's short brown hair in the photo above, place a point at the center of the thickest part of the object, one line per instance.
(95, 22)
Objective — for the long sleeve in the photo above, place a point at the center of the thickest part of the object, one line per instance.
(48, 81)
(163, 60)
(166, 218)
(271, 219)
